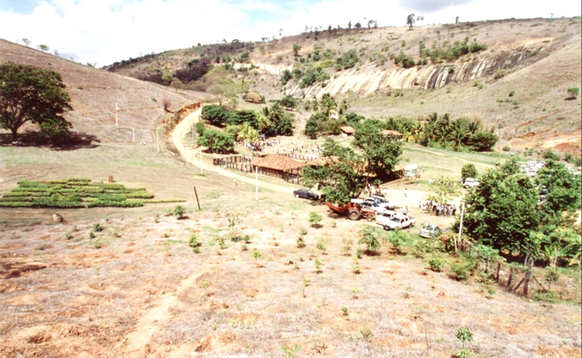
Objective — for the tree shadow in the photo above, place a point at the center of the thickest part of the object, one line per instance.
(29, 138)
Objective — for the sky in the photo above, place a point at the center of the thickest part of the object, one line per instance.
(101, 32)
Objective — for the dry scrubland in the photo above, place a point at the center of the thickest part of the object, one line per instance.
(137, 289)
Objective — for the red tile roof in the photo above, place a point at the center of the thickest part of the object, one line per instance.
(277, 162)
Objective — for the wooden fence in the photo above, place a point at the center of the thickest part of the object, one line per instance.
(243, 164)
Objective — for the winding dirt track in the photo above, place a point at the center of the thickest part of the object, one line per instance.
(192, 156)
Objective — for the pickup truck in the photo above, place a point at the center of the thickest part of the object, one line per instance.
(398, 221)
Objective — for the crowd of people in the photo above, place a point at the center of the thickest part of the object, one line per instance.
(437, 208)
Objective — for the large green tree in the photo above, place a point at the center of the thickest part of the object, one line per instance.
(336, 174)
(216, 141)
(381, 153)
(563, 195)
(31, 94)
(501, 212)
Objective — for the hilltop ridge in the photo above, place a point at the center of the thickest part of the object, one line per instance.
(517, 83)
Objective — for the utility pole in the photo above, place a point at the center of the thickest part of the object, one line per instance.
(116, 117)
(460, 227)
(158, 140)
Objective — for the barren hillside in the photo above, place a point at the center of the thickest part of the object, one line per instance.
(536, 59)
(94, 93)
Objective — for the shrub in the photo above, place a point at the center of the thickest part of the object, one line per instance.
(347, 60)
(313, 75)
(404, 60)
(461, 270)
(464, 335)
(574, 91)
(550, 154)
(314, 218)
(370, 239)
(436, 263)
(179, 211)
(569, 158)
(300, 241)
(193, 241)
(499, 74)
(506, 148)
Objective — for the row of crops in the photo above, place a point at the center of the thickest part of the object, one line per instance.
(76, 193)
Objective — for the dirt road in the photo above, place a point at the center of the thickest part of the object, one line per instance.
(192, 156)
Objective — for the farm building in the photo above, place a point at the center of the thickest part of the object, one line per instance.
(279, 166)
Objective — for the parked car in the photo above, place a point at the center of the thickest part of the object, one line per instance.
(398, 221)
(429, 231)
(305, 194)
(471, 183)
(382, 201)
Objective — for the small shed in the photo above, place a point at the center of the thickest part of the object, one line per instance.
(279, 166)
(349, 130)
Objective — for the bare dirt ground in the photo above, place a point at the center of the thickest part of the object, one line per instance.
(138, 290)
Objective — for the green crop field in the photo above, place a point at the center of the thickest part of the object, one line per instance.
(76, 193)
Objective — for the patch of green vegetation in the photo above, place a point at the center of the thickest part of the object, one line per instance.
(73, 193)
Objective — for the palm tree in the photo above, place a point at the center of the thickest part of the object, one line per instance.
(416, 131)
(344, 106)
(263, 121)
(248, 133)
(327, 104)
(458, 134)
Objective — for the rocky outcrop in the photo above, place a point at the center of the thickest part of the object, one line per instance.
(426, 77)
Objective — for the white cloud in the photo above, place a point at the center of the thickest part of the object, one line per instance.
(104, 31)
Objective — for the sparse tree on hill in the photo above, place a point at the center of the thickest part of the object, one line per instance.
(26, 41)
(410, 21)
(296, 49)
(33, 94)
(43, 48)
